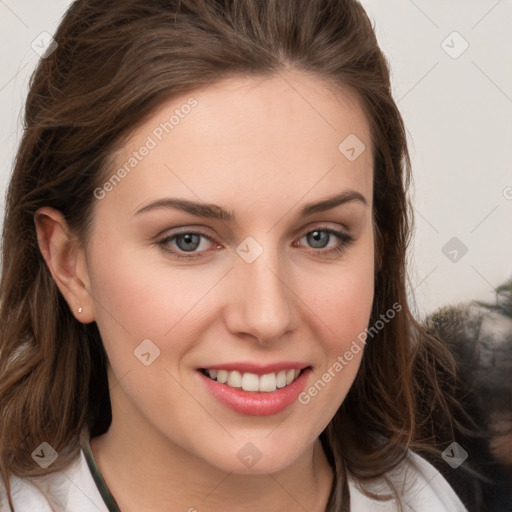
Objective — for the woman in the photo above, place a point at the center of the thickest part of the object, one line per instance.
(203, 292)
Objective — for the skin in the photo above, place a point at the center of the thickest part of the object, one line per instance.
(262, 148)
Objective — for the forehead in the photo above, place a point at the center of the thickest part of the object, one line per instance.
(249, 137)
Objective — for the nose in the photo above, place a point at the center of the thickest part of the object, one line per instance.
(262, 303)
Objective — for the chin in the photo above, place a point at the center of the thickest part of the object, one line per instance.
(260, 456)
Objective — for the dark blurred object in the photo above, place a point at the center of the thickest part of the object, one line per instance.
(480, 338)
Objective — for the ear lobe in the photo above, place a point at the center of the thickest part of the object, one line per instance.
(65, 260)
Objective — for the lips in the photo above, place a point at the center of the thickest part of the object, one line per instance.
(254, 389)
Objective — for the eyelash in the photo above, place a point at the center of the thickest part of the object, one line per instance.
(345, 240)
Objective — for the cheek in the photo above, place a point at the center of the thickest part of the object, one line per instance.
(345, 303)
(138, 297)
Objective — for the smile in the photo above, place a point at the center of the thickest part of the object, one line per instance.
(266, 383)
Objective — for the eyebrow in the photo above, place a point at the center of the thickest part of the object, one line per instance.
(217, 212)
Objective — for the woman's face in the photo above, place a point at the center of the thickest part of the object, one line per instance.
(207, 252)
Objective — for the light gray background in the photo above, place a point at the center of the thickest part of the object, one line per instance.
(458, 113)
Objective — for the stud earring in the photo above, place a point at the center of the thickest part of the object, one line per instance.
(79, 310)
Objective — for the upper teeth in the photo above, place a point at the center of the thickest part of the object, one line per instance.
(252, 382)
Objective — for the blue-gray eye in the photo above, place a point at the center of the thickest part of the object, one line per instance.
(188, 241)
(318, 239)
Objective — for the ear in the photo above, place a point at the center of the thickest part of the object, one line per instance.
(66, 261)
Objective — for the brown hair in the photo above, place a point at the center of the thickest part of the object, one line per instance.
(115, 63)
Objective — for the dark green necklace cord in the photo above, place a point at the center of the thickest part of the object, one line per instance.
(109, 500)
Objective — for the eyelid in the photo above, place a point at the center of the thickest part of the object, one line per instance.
(179, 230)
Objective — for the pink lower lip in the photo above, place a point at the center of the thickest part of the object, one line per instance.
(255, 403)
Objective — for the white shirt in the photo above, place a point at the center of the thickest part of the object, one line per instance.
(421, 487)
